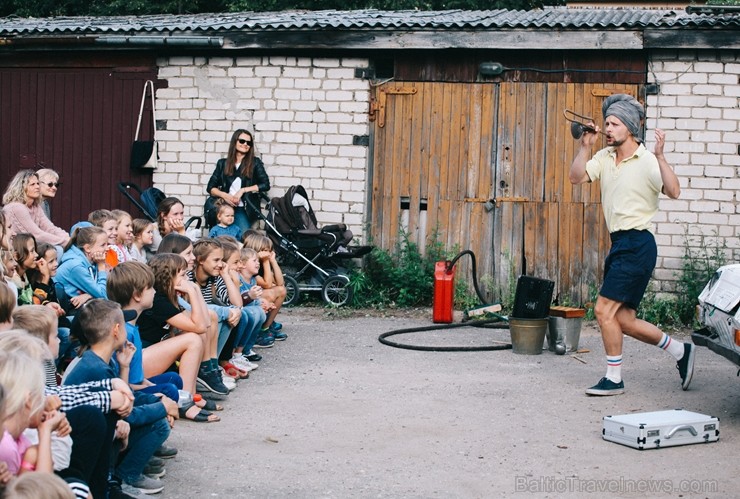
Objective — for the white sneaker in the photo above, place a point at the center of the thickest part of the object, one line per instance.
(228, 381)
(242, 363)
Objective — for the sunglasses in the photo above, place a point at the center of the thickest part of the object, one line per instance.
(53, 184)
(244, 141)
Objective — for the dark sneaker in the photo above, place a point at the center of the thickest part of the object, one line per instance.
(279, 335)
(606, 387)
(165, 452)
(276, 326)
(685, 366)
(115, 490)
(211, 381)
(147, 485)
(154, 470)
(156, 461)
(253, 357)
(264, 341)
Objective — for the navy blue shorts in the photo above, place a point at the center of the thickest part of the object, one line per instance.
(629, 266)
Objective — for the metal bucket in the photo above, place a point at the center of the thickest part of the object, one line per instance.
(565, 331)
(527, 335)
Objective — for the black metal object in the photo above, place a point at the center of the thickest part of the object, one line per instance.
(533, 297)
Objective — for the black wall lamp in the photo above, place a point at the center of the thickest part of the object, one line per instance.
(490, 68)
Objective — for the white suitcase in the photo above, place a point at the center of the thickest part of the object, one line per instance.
(652, 430)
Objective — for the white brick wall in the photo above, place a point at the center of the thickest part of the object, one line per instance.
(303, 112)
(699, 108)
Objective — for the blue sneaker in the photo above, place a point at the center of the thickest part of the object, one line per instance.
(606, 387)
(277, 333)
(276, 326)
(264, 340)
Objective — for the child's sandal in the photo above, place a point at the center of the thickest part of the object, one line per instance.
(201, 417)
(209, 405)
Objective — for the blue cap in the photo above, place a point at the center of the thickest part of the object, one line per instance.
(79, 225)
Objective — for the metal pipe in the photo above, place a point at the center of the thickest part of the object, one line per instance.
(163, 40)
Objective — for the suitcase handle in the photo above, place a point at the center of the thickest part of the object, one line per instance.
(675, 430)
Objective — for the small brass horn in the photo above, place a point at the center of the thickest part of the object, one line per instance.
(577, 128)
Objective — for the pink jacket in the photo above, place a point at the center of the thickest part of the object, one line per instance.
(25, 220)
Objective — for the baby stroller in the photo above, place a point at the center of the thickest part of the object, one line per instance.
(312, 258)
(148, 201)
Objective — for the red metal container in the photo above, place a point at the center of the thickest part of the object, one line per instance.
(444, 293)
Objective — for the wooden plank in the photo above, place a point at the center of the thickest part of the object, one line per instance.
(514, 39)
(575, 214)
(418, 172)
(436, 157)
(553, 240)
(378, 176)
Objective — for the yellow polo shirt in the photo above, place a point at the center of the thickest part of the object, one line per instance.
(629, 191)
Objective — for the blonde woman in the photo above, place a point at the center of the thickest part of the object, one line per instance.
(49, 180)
(22, 200)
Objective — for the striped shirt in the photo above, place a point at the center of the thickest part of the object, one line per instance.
(212, 284)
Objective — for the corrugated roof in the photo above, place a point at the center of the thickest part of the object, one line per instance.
(367, 20)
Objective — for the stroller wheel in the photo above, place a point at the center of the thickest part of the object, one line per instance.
(293, 292)
(336, 290)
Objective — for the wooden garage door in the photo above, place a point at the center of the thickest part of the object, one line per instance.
(432, 172)
(445, 153)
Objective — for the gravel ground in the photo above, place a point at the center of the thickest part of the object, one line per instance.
(331, 412)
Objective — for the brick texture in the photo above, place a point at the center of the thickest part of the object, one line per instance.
(698, 106)
(303, 112)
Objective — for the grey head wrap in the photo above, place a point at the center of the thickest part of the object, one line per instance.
(627, 109)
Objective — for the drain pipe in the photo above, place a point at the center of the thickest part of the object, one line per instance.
(161, 40)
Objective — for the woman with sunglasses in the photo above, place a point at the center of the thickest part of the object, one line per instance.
(22, 200)
(49, 180)
(238, 176)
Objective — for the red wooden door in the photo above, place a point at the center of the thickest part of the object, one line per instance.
(79, 119)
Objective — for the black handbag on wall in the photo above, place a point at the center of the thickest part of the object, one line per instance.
(144, 153)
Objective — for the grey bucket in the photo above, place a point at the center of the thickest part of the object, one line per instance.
(566, 331)
(527, 335)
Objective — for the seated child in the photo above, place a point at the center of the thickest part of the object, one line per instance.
(247, 270)
(23, 382)
(44, 293)
(270, 279)
(26, 259)
(179, 308)
(131, 284)
(124, 238)
(209, 274)
(245, 333)
(7, 305)
(102, 325)
(37, 485)
(143, 238)
(90, 408)
(226, 225)
(82, 272)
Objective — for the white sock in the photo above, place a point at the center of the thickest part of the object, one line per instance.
(614, 368)
(671, 346)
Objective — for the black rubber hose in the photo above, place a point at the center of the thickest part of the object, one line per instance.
(474, 270)
(488, 324)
